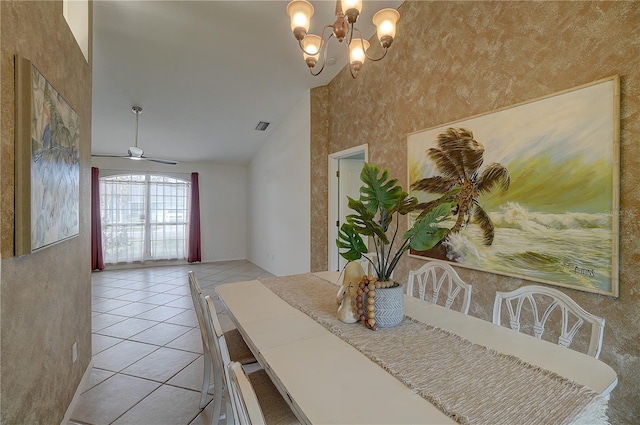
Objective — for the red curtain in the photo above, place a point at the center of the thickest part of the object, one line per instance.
(195, 249)
(97, 262)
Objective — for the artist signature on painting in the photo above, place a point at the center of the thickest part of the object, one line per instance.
(585, 272)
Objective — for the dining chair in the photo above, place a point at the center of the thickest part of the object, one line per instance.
(256, 400)
(239, 351)
(431, 278)
(196, 293)
(220, 360)
(540, 296)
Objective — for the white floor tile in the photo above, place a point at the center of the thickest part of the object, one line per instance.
(102, 342)
(190, 341)
(161, 334)
(122, 355)
(190, 377)
(108, 400)
(161, 365)
(127, 328)
(166, 405)
(161, 313)
(147, 348)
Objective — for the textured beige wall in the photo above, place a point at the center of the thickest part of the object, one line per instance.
(319, 169)
(453, 60)
(45, 297)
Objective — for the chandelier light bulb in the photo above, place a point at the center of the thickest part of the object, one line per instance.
(300, 20)
(385, 22)
(386, 28)
(352, 4)
(311, 45)
(352, 9)
(300, 12)
(357, 54)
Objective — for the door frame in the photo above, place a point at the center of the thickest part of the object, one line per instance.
(334, 158)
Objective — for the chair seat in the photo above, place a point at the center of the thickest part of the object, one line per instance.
(238, 349)
(274, 408)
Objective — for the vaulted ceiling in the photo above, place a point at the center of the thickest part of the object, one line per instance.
(204, 72)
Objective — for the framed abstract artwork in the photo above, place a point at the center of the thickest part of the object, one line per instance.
(536, 186)
(46, 163)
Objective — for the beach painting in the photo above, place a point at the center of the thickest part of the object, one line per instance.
(536, 186)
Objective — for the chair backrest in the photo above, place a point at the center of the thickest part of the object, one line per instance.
(553, 298)
(431, 277)
(214, 331)
(244, 399)
(220, 351)
(196, 292)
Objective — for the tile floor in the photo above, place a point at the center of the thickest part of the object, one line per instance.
(147, 350)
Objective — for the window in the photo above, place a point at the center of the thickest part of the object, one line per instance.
(144, 217)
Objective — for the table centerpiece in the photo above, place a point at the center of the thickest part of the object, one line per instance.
(381, 201)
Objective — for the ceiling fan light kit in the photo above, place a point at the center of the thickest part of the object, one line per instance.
(135, 152)
(314, 46)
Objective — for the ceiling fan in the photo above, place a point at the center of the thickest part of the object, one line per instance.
(135, 152)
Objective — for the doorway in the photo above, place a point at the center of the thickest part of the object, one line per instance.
(344, 180)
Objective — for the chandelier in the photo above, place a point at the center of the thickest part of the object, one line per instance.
(343, 29)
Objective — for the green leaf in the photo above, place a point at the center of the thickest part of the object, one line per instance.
(406, 205)
(350, 240)
(378, 192)
(424, 235)
(363, 222)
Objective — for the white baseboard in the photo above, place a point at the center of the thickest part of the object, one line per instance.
(76, 396)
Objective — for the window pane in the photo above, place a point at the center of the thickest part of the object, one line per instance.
(127, 229)
(169, 217)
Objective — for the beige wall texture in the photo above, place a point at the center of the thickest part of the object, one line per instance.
(45, 297)
(453, 60)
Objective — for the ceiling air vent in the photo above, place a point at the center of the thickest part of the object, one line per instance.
(262, 126)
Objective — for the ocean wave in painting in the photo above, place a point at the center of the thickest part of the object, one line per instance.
(569, 248)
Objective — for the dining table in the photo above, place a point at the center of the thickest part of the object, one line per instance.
(438, 366)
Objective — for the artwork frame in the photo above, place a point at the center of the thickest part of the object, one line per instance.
(537, 220)
(47, 172)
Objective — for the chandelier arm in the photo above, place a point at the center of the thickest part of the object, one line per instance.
(326, 27)
(302, 48)
(372, 59)
(321, 37)
(315, 74)
(377, 59)
(352, 28)
(359, 32)
(322, 56)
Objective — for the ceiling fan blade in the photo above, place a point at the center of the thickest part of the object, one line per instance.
(110, 156)
(161, 161)
(135, 152)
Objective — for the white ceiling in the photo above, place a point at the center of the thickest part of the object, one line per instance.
(204, 72)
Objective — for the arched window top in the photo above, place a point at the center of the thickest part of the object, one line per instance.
(165, 179)
(119, 176)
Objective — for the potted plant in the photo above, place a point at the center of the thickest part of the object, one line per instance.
(381, 201)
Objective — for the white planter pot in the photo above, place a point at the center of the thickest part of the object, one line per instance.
(389, 306)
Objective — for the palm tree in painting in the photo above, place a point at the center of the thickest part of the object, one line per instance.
(458, 158)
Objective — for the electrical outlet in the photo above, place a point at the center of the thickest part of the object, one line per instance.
(74, 352)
